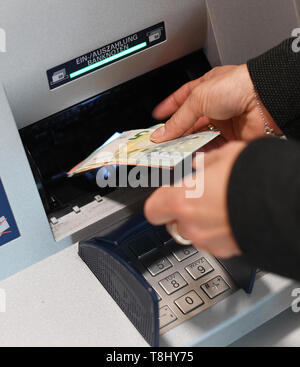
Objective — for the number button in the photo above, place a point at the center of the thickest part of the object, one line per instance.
(157, 265)
(215, 287)
(173, 283)
(166, 317)
(182, 253)
(199, 268)
(189, 302)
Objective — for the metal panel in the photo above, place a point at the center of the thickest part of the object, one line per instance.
(44, 34)
(24, 199)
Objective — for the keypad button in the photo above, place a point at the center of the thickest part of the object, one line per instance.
(157, 265)
(189, 302)
(215, 287)
(199, 268)
(173, 283)
(184, 252)
(166, 317)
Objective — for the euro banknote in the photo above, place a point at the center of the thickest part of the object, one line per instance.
(135, 148)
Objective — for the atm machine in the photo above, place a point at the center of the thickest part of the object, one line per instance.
(74, 74)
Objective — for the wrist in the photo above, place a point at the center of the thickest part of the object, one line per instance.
(247, 87)
(271, 128)
(255, 103)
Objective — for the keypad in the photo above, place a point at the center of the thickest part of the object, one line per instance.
(166, 316)
(199, 268)
(187, 281)
(215, 287)
(189, 302)
(182, 253)
(173, 283)
(157, 265)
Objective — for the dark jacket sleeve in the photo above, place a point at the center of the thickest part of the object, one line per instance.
(276, 77)
(264, 187)
(264, 205)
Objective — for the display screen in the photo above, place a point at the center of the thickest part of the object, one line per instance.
(106, 55)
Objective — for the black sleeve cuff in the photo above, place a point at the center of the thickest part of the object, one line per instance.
(264, 205)
(276, 77)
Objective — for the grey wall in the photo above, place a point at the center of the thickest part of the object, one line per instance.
(246, 28)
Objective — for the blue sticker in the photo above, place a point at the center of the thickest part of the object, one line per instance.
(8, 226)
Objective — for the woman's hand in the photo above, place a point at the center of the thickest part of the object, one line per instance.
(224, 97)
(203, 220)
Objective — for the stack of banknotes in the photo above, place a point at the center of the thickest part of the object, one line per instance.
(135, 148)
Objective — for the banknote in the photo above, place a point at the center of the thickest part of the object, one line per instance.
(135, 148)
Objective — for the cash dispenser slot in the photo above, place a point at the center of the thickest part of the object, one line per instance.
(59, 142)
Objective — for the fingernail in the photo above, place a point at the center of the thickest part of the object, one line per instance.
(159, 133)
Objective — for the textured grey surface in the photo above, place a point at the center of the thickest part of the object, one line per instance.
(59, 302)
(244, 29)
(282, 331)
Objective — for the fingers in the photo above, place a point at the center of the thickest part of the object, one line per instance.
(183, 120)
(167, 205)
(159, 208)
(171, 104)
(172, 228)
(214, 241)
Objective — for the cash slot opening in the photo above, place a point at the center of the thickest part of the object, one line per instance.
(59, 142)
